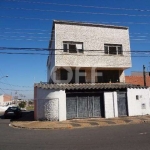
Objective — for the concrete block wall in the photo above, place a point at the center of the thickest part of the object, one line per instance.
(50, 104)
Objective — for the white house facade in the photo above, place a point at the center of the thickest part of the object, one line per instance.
(86, 46)
(53, 103)
(85, 74)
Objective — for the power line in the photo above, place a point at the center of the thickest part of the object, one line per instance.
(20, 38)
(17, 85)
(142, 40)
(3, 91)
(31, 33)
(47, 19)
(84, 6)
(25, 29)
(23, 36)
(24, 39)
(75, 12)
(15, 90)
(44, 30)
(12, 32)
(44, 37)
(13, 53)
(47, 49)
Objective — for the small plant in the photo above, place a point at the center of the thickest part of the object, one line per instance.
(22, 104)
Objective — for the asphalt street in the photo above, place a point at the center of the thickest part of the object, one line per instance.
(123, 137)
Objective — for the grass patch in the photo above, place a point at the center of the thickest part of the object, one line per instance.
(30, 108)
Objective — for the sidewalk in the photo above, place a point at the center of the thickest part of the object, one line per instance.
(79, 123)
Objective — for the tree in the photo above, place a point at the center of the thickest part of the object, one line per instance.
(22, 104)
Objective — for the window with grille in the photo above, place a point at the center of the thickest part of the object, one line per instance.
(73, 47)
(113, 49)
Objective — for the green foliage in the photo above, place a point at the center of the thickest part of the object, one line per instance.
(30, 102)
(22, 104)
(30, 108)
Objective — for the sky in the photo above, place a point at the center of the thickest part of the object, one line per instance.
(28, 23)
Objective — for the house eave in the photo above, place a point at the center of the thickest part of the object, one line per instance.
(83, 86)
(88, 24)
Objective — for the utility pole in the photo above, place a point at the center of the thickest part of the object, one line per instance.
(144, 77)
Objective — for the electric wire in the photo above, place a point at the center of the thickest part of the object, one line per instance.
(84, 6)
(47, 19)
(76, 12)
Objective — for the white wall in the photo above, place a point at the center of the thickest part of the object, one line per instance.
(51, 104)
(93, 38)
(51, 59)
(1, 99)
(136, 106)
(110, 104)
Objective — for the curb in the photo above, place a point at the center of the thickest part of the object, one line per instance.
(20, 127)
(79, 127)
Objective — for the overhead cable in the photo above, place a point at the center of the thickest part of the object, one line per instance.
(77, 12)
(74, 5)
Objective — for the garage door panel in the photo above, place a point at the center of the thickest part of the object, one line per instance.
(97, 107)
(71, 107)
(90, 106)
(82, 107)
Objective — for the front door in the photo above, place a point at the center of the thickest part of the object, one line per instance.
(122, 104)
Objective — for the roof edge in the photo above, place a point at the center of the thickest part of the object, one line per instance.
(87, 24)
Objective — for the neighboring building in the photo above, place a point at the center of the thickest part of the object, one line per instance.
(5, 100)
(85, 74)
(137, 78)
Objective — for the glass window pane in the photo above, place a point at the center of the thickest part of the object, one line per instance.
(72, 48)
(79, 48)
(112, 50)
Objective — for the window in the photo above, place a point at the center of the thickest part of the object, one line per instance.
(113, 49)
(137, 97)
(73, 47)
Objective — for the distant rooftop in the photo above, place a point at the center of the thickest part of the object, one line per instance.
(88, 24)
(138, 73)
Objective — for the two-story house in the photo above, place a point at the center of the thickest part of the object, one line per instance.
(90, 49)
(85, 72)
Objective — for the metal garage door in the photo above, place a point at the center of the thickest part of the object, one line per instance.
(71, 105)
(83, 107)
(122, 104)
